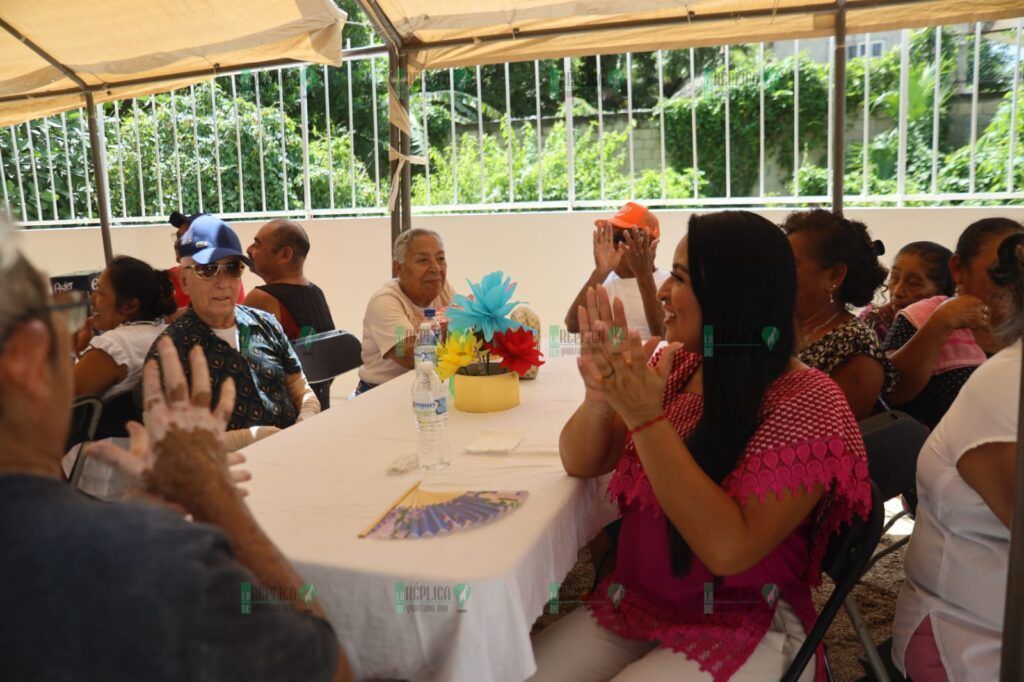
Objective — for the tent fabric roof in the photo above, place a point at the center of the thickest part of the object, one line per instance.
(179, 42)
(448, 33)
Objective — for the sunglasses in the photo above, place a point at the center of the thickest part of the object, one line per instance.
(234, 269)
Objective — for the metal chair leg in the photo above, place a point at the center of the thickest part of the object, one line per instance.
(874, 659)
(892, 522)
(886, 552)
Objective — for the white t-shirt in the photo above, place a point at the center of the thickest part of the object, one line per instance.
(390, 313)
(228, 335)
(127, 345)
(629, 291)
(958, 555)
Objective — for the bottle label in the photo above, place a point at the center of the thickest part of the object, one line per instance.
(442, 405)
(424, 407)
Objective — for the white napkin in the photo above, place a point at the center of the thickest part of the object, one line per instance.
(495, 442)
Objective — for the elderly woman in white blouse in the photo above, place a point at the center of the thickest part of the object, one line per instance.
(949, 617)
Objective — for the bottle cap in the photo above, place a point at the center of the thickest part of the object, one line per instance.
(429, 312)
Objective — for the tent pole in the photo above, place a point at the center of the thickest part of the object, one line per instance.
(99, 163)
(406, 191)
(839, 110)
(394, 142)
(1012, 664)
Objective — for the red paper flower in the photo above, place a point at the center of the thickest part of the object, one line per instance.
(518, 350)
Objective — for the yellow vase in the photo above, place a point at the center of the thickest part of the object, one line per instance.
(486, 393)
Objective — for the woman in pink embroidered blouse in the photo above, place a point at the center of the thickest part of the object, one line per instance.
(733, 466)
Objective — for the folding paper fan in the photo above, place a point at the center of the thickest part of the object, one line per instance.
(419, 513)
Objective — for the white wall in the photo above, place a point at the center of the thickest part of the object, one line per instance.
(548, 254)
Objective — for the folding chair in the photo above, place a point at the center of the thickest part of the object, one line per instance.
(325, 356)
(893, 441)
(847, 555)
(85, 415)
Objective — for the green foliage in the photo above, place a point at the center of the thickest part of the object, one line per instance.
(992, 157)
(588, 152)
(742, 89)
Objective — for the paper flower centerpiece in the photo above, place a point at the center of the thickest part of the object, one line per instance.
(518, 350)
(459, 350)
(487, 310)
(479, 325)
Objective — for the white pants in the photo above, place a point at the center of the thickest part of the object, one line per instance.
(577, 648)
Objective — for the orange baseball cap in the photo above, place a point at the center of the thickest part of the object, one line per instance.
(635, 215)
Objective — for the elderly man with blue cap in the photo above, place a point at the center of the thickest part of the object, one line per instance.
(243, 344)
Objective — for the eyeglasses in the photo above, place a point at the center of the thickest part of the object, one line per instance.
(73, 304)
(234, 269)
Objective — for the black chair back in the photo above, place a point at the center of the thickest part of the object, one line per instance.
(326, 355)
(845, 559)
(893, 441)
(117, 412)
(85, 415)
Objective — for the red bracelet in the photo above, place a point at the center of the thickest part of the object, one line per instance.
(647, 423)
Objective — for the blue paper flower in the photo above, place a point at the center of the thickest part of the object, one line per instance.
(487, 312)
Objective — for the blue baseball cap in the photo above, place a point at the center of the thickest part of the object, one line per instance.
(209, 239)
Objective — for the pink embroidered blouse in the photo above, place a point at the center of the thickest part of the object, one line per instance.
(806, 435)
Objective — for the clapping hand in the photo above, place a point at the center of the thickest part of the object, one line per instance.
(179, 454)
(640, 250)
(607, 254)
(614, 363)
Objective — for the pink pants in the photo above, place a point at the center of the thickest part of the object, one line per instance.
(922, 659)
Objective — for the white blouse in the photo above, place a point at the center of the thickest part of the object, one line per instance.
(958, 555)
(629, 292)
(127, 345)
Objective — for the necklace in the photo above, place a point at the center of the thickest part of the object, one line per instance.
(803, 342)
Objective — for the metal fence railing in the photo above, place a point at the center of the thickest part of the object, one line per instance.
(932, 118)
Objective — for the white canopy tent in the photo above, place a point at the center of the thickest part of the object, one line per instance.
(61, 55)
(446, 33)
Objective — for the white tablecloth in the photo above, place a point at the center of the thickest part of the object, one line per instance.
(318, 484)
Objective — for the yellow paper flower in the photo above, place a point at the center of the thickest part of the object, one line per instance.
(459, 350)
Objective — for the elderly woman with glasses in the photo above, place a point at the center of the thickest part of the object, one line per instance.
(242, 343)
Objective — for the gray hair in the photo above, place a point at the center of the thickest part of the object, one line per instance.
(24, 289)
(405, 238)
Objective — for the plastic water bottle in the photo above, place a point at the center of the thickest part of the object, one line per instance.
(430, 405)
(427, 338)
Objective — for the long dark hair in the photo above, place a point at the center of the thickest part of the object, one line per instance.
(132, 278)
(744, 278)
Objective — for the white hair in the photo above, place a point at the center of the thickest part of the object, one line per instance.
(405, 238)
(25, 289)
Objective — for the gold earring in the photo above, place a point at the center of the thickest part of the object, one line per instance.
(831, 294)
